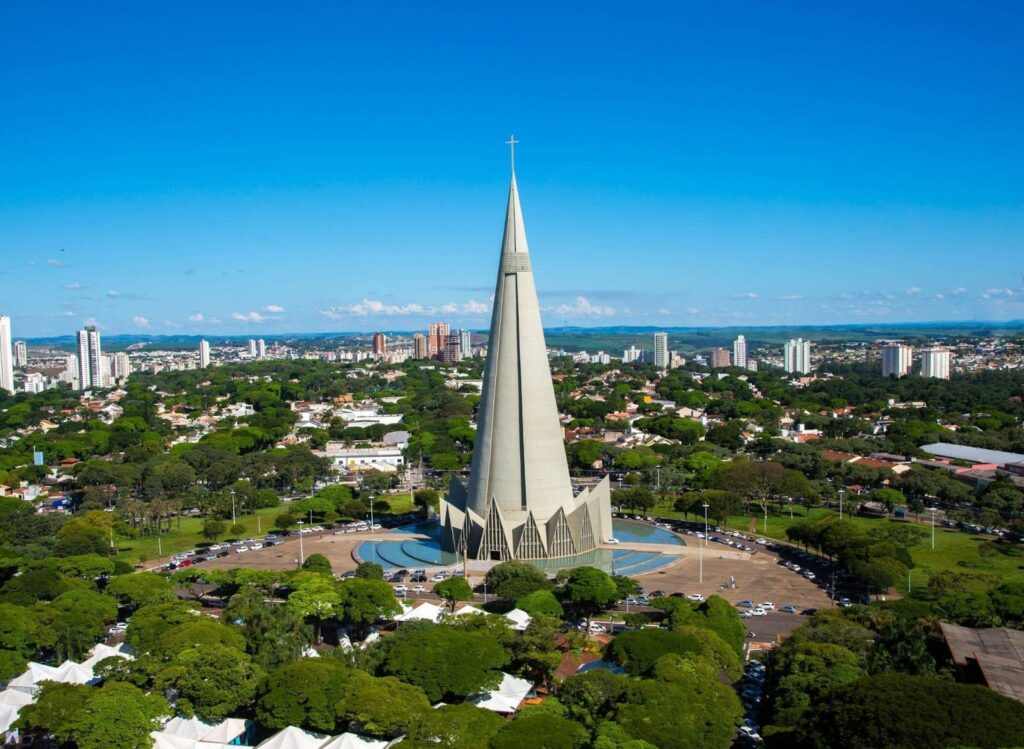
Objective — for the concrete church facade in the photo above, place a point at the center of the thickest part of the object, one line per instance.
(520, 503)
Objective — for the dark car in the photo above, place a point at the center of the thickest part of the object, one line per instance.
(224, 554)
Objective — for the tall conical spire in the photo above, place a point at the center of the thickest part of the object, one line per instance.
(520, 502)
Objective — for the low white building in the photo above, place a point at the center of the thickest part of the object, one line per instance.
(383, 458)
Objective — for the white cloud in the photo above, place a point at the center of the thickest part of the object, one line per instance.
(67, 313)
(275, 308)
(248, 317)
(692, 311)
(94, 323)
(141, 321)
(747, 295)
(171, 324)
(584, 308)
(790, 297)
(473, 307)
(197, 317)
(958, 291)
(913, 290)
(664, 311)
(990, 293)
(74, 285)
(113, 294)
(54, 263)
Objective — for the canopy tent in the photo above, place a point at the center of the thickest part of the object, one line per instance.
(8, 714)
(507, 697)
(519, 619)
(228, 730)
(469, 610)
(14, 698)
(354, 741)
(100, 651)
(293, 738)
(187, 728)
(36, 672)
(430, 612)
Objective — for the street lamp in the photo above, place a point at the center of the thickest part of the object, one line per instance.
(302, 553)
(371, 515)
(933, 509)
(704, 541)
(841, 491)
(233, 521)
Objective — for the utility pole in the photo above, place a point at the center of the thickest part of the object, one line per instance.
(703, 541)
(933, 510)
(840, 504)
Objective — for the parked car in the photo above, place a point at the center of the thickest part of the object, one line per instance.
(758, 611)
(746, 604)
(767, 605)
(241, 549)
(789, 609)
(401, 590)
(695, 597)
(418, 588)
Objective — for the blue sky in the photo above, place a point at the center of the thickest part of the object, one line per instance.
(267, 167)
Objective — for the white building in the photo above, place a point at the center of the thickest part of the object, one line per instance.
(465, 343)
(6, 355)
(90, 371)
(739, 352)
(632, 354)
(204, 353)
(796, 356)
(252, 347)
(935, 363)
(120, 366)
(896, 359)
(20, 354)
(386, 459)
(35, 382)
(661, 354)
(70, 373)
(261, 349)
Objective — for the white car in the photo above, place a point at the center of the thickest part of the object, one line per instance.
(418, 588)
(695, 597)
(215, 547)
(767, 605)
(596, 628)
(256, 546)
(758, 612)
(401, 590)
(750, 733)
(809, 575)
(611, 540)
(241, 549)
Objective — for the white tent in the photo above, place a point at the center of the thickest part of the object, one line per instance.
(14, 698)
(187, 728)
(70, 672)
(227, 731)
(469, 610)
(353, 741)
(28, 682)
(519, 619)
(430, 612)
(8, 714)
(100, 651)
(293, 738)
(507, 697)
(169, 741)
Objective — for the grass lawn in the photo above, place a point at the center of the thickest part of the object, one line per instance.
(955, 551)
(189, 534)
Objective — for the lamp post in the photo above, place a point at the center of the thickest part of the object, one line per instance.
(302, 553)
(371, 515)
(841, 504)
(233, 520)
(703, 541)
(933, 509)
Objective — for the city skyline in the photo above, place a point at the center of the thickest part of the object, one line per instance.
(162, 207)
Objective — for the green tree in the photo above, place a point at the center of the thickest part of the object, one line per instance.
(305, 694)
(381, 706)
(454, 589)
(141, 589)
(213, 681)
(363, 601)
(540, 731)
(514, 579)
(541, 603)
(871, 712)
(56, 707)
(317, 563)
(443, 661)
(118, 715)
(370, 571)
(462, 726)
(314, 596)
(589, 590)
(213, 529)
(273, 634)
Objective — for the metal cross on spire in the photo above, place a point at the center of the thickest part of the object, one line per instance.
(511, 143)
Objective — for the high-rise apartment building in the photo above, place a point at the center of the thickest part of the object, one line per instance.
(437, 338)
(6, 355)
(380, 344)
(452, 351)
(420, 348)
(204, 353)
(90, 358)
(261, 349)
(935, 363)
(896, 358)
(465, 343)
(739, 352)
(120, 365)
(632, 354)
(719, 358)
(35, 382)
(796, 356)
(20, 354)
(252, 347)
(661, 360)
